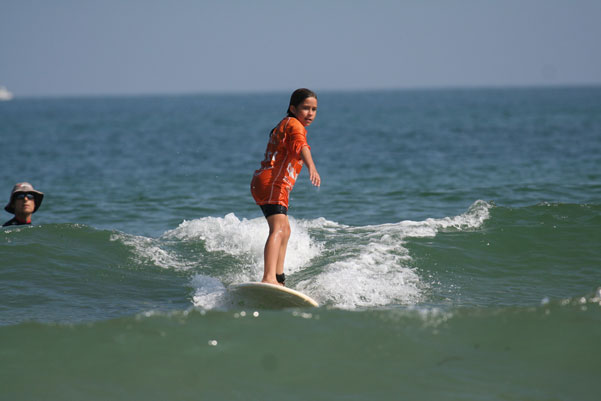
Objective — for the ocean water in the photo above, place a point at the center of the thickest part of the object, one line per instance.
(454, 245)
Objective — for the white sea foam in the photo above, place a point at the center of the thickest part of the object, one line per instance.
(209, 292)
(246, 239)
(375, 269)
(371, 271)
(149, 251)
(351, 267)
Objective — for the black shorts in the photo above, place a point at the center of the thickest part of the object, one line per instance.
(269, 210)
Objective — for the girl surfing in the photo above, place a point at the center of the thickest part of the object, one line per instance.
(287, 151)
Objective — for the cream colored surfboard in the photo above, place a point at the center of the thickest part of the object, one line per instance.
(264, 295)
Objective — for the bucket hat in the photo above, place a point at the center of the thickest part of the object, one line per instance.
(27, 188)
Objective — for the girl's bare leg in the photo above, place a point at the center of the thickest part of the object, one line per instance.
(275, 247)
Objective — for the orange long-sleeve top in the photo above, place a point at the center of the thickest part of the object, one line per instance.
(282, 163)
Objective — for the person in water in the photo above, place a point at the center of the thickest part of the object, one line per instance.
(23, 203)
(287, 151)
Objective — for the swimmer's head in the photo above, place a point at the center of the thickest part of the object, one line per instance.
(23, 193)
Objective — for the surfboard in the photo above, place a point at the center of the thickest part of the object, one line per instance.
(270, 296)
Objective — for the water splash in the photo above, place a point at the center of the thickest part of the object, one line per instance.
(341, 266)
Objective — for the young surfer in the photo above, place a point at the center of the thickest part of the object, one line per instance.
(24, 201)
(287, 151)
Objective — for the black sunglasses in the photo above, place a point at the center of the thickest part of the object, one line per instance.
(23, 195)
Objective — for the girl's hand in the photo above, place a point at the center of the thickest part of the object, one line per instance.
(314, 177)
(308, 160)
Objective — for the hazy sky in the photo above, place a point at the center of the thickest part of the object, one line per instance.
(79, 47)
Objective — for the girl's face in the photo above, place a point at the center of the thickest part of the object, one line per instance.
(305, 112)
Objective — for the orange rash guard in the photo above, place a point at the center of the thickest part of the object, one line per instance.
(272, 183)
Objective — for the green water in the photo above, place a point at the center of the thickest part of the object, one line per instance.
(521, 353)
(453, 248)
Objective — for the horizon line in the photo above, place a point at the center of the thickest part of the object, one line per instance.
(228, 92)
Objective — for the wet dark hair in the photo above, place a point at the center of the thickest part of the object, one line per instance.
(299, 96)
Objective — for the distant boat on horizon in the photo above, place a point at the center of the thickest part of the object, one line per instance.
(5, 94)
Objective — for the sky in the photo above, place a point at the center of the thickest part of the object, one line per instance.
(135, 47)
